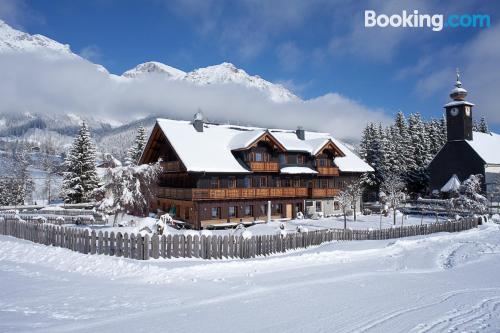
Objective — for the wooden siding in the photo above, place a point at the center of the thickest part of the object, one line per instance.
(264, 166)
(328, 171)
(323, 192)
(231, 193)
(171, 166)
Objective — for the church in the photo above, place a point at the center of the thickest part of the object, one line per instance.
(466, 152)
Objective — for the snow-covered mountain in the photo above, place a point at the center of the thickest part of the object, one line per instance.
(228, 73)
(154, 67)
(218, 74)
(12, 40)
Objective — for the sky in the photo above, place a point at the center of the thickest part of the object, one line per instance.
(314, 48)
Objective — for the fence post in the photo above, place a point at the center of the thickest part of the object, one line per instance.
(126, 246)
(155, 249)
(196, 246)
(112, 243)
(175, 250)
(145, 245)
(119, 244)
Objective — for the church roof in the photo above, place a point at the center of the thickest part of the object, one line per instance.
(487, 146)
(211, 149)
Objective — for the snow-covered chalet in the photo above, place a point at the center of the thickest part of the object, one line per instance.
(466, 152)
(215, 174)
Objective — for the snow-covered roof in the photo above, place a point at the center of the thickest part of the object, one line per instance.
(452, 185)
(486, 145)
(297, 170)
(456, 103)
(211, 150)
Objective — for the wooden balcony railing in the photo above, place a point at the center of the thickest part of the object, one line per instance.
(323, 192)
(328, 171)
(231, 193)
(265, 166)
(171, 166)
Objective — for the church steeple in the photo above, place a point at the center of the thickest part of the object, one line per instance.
(458, 93)
(459, 113)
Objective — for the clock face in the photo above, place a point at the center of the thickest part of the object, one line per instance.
(454, 112)
(467, 111)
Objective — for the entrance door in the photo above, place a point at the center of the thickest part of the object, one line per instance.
(288, 211)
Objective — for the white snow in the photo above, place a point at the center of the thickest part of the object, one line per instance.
(451, 185)
(456, 103)
(486, 145)
(297, 170)
(154, 67)
(445, 282)
(210, 150)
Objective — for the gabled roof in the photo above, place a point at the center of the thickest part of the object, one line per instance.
(211, 150)
(452, 185)
(487, 146)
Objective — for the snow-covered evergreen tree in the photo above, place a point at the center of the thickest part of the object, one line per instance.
(417, 171)
(80, 177)
(135, 152)
(483, 126)
(127, 189)
(470, 198)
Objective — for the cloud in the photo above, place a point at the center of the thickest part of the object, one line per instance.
(478, 62)
(91, 52)
(17, 12)
(50, 85)
(289, 56)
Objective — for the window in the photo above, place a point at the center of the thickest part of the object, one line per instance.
(231, 212)
(259, 157)
(214, 182)
(247, 210)
(247, 182)
(215, 213)
(263, 209)
(323, 183)
(318, 206)
(336, 205)
(282, 159)
(285, 182)
(301, 159)
(263, 181)
(278, 208)
(292, 159)
(231, 182)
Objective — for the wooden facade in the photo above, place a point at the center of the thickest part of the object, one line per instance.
(205, 198)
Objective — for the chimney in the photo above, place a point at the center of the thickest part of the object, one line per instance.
(301, 134)
(198, 121)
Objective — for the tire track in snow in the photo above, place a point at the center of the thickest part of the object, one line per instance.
(370, 325)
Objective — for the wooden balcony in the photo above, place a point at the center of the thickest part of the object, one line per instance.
(171, 166)
(264, 166)
(328, 171)
(323, 192)
(231, 193)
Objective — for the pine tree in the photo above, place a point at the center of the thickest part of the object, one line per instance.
(483, 126)
(135, 152)
(417, 172)
(80, 178)
(402, 143)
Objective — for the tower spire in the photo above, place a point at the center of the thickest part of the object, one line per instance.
(458, 93)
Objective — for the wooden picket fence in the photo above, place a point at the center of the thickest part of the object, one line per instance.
(206, 247)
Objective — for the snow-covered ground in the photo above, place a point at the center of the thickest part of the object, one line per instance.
(261, 228)
(437, 283)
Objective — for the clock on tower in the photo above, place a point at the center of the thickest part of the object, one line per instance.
(459, 114)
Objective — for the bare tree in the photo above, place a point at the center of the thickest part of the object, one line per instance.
(355, 188)
(344, 199)
(393, 187)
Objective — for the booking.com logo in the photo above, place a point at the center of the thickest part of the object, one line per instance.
(416, 20)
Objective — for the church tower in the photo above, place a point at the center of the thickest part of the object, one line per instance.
(459, 114)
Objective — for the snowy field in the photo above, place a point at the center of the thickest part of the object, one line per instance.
(436, 283)
(261, 228)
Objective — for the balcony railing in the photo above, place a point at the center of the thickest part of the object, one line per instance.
(171, 166)
(328, 171)
(265, 166)
(323, 192)
(231, 193)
